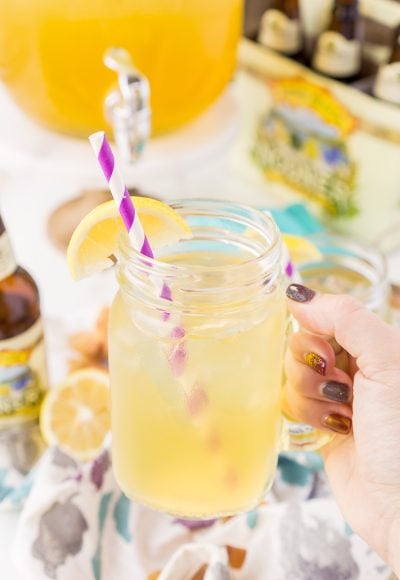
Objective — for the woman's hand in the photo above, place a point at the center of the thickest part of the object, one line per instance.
(351, 386)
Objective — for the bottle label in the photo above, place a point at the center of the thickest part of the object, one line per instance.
(8, 264)
(336, 56)
(23, 376)
(387, 84)
(280, 32)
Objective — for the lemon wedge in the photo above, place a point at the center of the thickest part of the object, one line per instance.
(76, 415)
(95, 240)
(300, 249)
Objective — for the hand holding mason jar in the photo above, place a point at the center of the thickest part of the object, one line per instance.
(197, 336)
(196, 369)
(361, 404)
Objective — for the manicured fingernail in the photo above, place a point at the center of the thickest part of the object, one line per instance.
(335, 391)
(316, 362)
(299, 293)
(337, 423)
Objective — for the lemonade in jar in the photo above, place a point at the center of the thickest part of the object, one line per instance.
(51, 56)
(196, 380)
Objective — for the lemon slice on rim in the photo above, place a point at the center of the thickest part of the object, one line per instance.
(300, 249)
(95, 239)
(76, 415)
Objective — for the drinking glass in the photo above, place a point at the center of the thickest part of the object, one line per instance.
(196, 378)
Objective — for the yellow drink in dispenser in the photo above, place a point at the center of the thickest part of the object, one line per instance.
(51, 56)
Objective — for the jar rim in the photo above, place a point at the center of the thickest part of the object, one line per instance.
(254, 236)
(357, 248)
(251, 217)
(353, 254)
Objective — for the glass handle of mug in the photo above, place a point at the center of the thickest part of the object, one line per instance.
(303, 437)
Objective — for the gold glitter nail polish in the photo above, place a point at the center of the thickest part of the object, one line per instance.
(316, 362)
(337, 423)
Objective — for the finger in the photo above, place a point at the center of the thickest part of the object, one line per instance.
(312, 350)
(320, 353)
(320, 414)
(355, 328)
(336, 386)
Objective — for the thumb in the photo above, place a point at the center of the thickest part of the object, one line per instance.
(340, 316)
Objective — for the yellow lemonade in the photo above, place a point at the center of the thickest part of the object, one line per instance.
(51, 56)
(201, 440)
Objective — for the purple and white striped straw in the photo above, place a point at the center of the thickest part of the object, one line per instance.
(197, 398)
(120, 193)
(121, 196)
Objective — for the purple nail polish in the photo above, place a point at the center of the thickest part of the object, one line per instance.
(299, 293)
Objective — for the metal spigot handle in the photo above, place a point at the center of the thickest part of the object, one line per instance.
(128, 107)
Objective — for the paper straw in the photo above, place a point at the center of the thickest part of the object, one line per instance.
(120, 193)
(197, 400)
(124, 202)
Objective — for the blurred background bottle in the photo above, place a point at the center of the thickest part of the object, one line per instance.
(23, 377)
(338, 50)
(387, 82)
(280, 28)
(395, 54)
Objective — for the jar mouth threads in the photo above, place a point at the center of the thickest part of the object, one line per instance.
(233, 256)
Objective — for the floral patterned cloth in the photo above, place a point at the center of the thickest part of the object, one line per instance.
(78, 524)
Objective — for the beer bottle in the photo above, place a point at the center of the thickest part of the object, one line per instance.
(338, 50)
(387, 82)
(22, 361)
(280, 28)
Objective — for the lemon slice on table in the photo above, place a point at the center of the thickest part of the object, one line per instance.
(300, 249)
(76, 415)
(96, 237)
